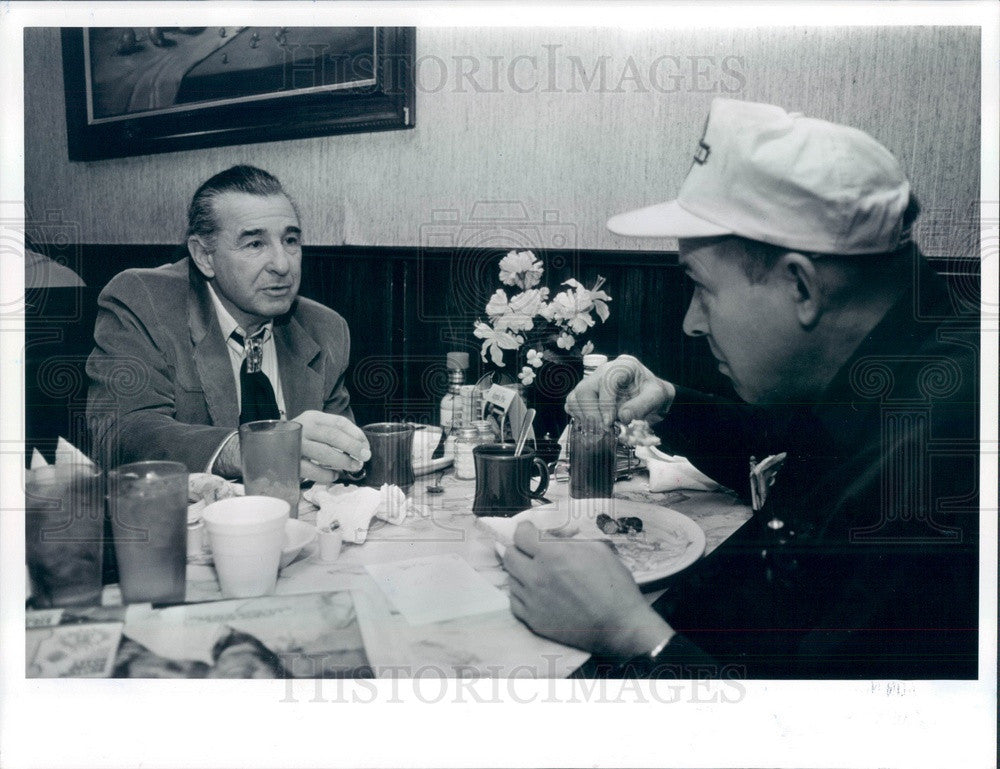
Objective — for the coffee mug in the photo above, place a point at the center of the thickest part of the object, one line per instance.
(503, 481)
(391, 445)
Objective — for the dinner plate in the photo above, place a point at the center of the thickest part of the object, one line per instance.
(669, 541)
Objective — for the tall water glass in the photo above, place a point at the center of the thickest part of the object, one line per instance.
(64, 530)
(592, 465)
(271, 451)
(148, 504)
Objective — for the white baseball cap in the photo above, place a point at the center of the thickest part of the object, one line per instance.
(778, 177)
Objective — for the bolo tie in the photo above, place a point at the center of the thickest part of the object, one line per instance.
(257, 399)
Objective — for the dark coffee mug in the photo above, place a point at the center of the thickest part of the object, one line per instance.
(503, 481)
(391, 444)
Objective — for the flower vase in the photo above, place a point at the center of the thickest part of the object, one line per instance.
(554, 381)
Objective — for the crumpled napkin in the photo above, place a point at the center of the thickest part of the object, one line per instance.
(355, 507)
(668, 472)
(66, 454)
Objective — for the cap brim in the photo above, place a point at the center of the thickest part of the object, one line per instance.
(664, 220)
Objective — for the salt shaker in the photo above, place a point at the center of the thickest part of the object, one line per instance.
(465, 466)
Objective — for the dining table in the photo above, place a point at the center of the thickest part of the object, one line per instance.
(493, 643)
(342, 614)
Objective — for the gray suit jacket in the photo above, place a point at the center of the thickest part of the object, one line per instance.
(162, 385)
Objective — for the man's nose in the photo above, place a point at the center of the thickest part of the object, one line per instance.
(695, 322)
(279, 262)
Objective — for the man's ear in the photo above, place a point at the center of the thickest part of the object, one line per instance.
(201, 256)
(803, 281)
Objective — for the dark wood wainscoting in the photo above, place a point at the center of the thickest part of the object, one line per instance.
(406, 308)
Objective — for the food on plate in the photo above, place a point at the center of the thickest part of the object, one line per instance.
(205, 488)
(628, 525)
(607, 524)
(638, 433)
(641, 554)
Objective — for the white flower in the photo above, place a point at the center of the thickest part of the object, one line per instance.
(529, 302)
(519, 312)
(600, 300)
(527, 375)
(535, 358)
(587, 348)
(571, 309)
(565, 341)
(521, 269)
(496, 341)
(513, 322)
(498, 304)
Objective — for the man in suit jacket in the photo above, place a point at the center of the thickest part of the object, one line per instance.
(169, 366)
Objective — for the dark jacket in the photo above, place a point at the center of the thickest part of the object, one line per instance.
(863, 561)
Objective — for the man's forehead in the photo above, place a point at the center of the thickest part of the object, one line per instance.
(241, 210)
(694, 252)
(707, 252)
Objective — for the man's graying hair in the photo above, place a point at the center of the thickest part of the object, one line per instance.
(243, 178)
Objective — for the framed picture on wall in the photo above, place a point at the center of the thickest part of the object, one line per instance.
(139, 91)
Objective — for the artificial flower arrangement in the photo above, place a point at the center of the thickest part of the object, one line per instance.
(529, 317)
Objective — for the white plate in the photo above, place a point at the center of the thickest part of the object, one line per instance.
(432, 466)
(298, 534)
(669, 542)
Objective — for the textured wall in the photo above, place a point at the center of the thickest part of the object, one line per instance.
(542, 136)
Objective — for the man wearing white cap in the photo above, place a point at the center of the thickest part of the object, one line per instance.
(860, 558)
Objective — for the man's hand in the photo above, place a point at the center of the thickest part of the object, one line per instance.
(580, 593)
(621, 389)
(330, 444)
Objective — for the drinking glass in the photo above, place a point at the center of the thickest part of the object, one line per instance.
(391, 445)
(592, 452)
(148, 502)
(271, 452)
(64, 530)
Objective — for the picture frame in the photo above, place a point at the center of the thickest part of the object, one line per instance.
(139, 92)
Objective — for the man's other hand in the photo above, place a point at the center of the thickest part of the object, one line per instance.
(578, 592)
(331, 444)
(621, 389)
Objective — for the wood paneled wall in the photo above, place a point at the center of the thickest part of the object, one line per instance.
(406, 308)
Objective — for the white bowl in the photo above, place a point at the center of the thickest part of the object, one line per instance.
(298, 534)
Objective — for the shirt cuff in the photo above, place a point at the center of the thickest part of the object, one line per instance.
(215, 454)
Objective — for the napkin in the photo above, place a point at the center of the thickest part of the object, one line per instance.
(37, 460)
(354, 508)
(66, 454)
(668, 472)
